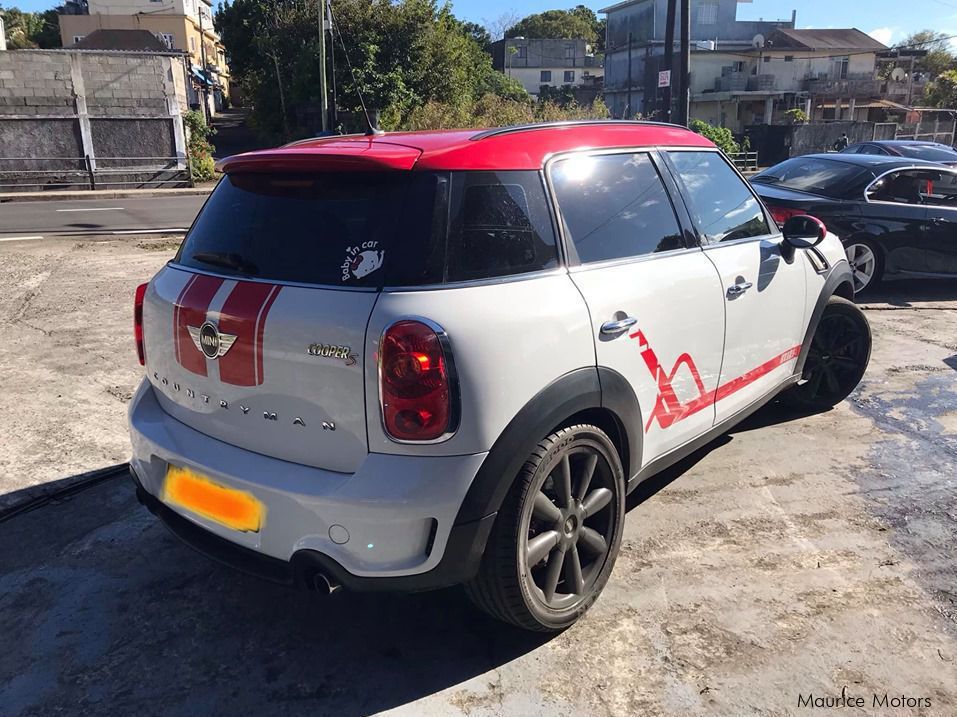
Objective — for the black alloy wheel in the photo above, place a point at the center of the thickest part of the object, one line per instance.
(837, 357)
(556, 538)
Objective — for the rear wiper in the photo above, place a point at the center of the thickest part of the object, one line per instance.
(227, 261)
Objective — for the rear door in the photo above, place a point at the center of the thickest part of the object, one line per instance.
(656, 309)
(762, 287)
(255, 332)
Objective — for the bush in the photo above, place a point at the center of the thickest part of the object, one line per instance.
(721, 136)
(797, 116)
(493, 110)
(198, 147)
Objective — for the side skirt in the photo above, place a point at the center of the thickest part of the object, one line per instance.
(686, 449)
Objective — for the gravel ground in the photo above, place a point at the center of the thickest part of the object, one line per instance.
(793, 556)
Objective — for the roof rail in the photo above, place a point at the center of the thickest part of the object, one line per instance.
(495, 132)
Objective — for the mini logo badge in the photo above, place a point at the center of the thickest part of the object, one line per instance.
(208, 340)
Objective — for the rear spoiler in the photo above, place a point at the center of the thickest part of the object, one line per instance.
(336, 156)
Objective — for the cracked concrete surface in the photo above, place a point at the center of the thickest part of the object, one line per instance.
(794, 555)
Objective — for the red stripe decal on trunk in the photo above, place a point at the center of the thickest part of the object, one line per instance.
(191, 311)
(241, 315)
(261, 330)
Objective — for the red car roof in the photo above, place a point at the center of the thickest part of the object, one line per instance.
(509, 148)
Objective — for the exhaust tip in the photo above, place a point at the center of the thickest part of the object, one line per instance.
(324, 585)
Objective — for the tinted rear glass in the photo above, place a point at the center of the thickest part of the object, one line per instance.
(818, 176)
(374, 229)
(931, 154)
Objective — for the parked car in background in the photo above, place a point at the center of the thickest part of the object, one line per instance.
(896, 217)
(420, 359)
(912, 149)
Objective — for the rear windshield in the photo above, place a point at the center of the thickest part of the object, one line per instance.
(818, 176)
(374, 229)
(928, 152)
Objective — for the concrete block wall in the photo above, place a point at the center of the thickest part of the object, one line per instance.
(140, 96)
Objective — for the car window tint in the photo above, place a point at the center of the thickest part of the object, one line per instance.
(830, 178)
(614, 206)
(928, 152)
(499, 225)
(902, 188)
(721, 204)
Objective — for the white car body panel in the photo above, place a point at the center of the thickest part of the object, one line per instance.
(503, 356)
(764, 324)
(677, 340)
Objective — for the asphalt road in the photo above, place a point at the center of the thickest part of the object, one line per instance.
(33, 221)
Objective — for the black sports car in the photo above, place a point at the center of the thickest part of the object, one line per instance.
(897, 217)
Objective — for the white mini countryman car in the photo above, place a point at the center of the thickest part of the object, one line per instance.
(408, 361)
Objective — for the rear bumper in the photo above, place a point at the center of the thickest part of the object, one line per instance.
(389, 525)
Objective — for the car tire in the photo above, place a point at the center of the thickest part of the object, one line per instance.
(867, 264)
(836, 360)
(546, 561)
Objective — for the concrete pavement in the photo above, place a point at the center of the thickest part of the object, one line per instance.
(31, 221)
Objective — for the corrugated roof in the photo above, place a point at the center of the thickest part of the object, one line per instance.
(843, 39)
(120, 40)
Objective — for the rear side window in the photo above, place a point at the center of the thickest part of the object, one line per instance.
(374, 229)
(499, 225)
(721, 204)
(614, 206)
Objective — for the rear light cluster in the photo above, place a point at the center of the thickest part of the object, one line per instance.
(416, 383)
(782, 214)
(138, 322)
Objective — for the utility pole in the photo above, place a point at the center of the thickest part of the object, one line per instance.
(669, 55)
(202, 58)
(684, 98)
(323, 84)
(628, 111)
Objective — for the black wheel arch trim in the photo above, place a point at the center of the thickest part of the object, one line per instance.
(839, 281)
(584, 389)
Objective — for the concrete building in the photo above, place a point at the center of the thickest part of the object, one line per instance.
(634, 46)
(554, 63)
(184, 25)
(830, 74)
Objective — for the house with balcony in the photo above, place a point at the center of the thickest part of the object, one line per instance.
(635, 52)
(553, 63)
(183, 25)
(830, 74)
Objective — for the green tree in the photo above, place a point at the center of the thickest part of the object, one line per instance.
(406, 55)
(939, 58)
(30, 30)
(579, 23)
(721, 136)
(942, 92)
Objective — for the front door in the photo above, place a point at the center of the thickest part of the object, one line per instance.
(763, 288)
(656, 304)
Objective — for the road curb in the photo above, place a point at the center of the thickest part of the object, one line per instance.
(42, 494)
(103, 194)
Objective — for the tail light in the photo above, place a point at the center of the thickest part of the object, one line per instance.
(782, 214)
(138, 322)
(416, 382)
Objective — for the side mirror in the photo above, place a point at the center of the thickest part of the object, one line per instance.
(803, 231)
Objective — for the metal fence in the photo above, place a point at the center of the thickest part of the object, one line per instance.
(50, 173)
(745, 161)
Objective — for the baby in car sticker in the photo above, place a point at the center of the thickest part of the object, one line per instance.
(361, 260)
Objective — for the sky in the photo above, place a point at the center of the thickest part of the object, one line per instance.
(887, 20)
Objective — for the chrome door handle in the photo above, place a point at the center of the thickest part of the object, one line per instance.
(739, 288)
(616, 327)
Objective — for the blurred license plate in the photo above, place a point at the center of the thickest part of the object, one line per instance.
(233, 508)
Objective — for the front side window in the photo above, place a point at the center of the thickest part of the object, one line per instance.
(901, 188)
(721, 204)
(614, 206)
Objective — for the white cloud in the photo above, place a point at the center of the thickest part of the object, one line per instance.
(883, 34)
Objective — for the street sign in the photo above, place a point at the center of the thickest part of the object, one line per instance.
(664, 78)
